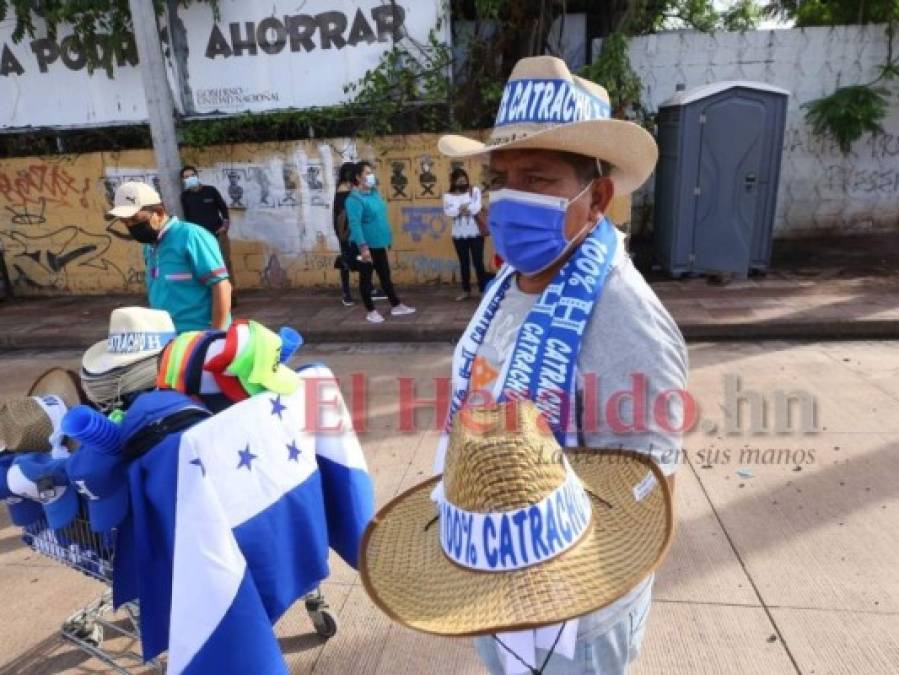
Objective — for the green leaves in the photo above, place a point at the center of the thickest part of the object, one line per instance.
(613, 71)
(848, 113)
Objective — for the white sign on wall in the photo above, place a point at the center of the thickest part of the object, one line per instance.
(284, 54)
(44, 81)
(260, 55)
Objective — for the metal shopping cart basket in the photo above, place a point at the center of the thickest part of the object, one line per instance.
(78, 547)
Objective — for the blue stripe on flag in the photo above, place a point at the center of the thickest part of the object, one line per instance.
(286, 567)
(349, 505)
(244, 624)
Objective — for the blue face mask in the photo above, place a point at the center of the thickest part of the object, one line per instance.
(529, 229)
(191, 182)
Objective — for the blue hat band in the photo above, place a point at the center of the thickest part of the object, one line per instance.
(548, 102)
(132, 343)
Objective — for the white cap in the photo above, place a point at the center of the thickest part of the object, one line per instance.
(131, 197)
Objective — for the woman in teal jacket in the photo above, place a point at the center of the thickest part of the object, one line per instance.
(366, 213)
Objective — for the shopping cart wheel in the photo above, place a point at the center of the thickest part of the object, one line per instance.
(325, 623)
(85, 630)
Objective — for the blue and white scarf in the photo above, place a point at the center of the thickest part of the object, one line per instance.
(542, 364)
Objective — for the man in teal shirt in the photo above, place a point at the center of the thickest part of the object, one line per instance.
(186, 275)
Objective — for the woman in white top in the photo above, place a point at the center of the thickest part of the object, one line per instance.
(462, 203)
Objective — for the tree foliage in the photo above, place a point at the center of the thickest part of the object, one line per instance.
(807, 13)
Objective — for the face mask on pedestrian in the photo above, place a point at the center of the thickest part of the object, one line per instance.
(370, 180)
(529, 228)
(191, 182)
(143, 232)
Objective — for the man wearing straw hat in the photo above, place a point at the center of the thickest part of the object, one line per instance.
(569, 322)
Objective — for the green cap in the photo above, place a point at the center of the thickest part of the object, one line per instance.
(258, 365)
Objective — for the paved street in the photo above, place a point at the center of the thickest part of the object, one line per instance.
(785, 553)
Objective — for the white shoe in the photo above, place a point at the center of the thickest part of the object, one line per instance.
(402, 309)
(374, 317)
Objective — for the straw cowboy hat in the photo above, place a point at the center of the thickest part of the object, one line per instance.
(524, 535)
(27, 422)
(545, 107)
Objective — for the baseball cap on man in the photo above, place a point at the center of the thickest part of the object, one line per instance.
(23, 511)
(131, 197)
(39, 477)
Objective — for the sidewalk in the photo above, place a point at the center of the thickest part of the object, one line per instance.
(778, 567)
(823, 289)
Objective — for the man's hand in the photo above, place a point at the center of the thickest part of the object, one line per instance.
(221, 304)
(365, 254)
(226, 224)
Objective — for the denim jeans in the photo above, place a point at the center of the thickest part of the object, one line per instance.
(599, 650)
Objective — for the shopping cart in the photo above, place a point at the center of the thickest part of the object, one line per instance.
(78, 547)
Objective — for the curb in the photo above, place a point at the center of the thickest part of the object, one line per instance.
(732, 332)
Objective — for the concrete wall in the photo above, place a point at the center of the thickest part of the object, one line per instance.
(56, 239)
(821, 191)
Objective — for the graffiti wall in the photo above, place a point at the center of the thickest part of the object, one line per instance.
(52, 232)
(55, 238)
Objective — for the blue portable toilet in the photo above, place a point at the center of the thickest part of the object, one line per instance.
(720, 148)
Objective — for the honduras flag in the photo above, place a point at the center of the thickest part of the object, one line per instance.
(233, 521)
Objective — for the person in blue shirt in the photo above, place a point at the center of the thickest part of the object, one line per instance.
(186, 275)
(366, 214)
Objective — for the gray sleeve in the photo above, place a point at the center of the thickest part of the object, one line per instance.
(633, 359)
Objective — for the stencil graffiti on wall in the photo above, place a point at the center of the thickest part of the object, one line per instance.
(426, 178)
(399, 180)
(421, 222)
(236, 178)
(274, 276)
(291, 184)
(43, 261)
(261, 178)
(314, 178)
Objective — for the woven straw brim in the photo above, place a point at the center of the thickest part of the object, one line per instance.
(59, 382)
(627, 146)
(407, 575)
(24, 426)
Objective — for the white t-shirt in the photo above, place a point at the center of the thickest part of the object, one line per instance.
(630, 333)
(464, 226)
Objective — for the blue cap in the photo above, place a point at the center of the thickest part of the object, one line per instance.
(102, 478)
(37, 476)
(22, 511)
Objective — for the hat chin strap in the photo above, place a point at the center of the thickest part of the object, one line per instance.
(516, 539)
